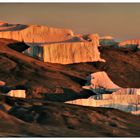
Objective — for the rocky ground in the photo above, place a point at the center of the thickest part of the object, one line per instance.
(36, 118)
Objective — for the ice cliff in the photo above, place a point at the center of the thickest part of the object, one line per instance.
(130, 44)
(34, 33)
(125, 99)
(54, 45)
(100, 80)
(67, 53)
(125, 102)
(107, 41)
(2, 83)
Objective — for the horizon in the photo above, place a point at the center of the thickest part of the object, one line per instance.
(107, 19)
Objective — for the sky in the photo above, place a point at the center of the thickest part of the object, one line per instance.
(122, 21)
